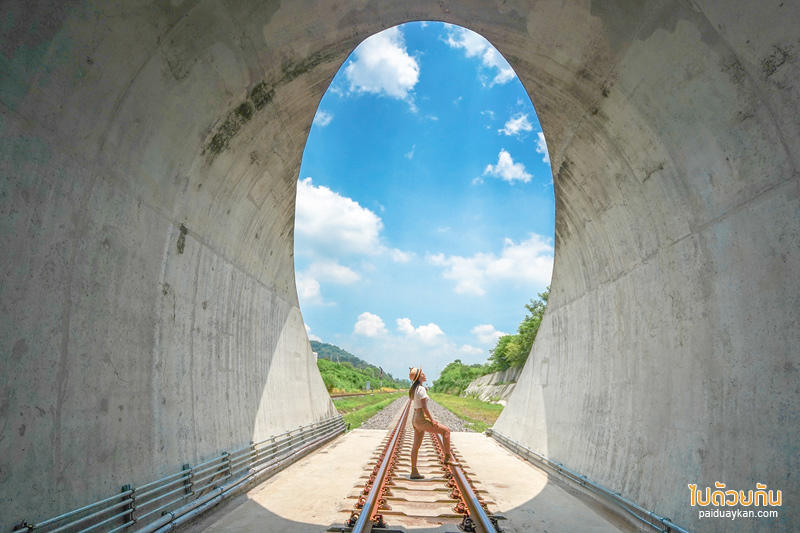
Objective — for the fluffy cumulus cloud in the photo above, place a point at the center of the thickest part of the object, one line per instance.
(429, 334)
(516, 125)
(528, 262)
(369, 325)
(322, 118)
(334, 272)
(331, 228)
(382, 65)
(476, 46)
(308, 289)
(311, 336)
(487, 334)
(507, 170)
(541, 147)
(329, 221)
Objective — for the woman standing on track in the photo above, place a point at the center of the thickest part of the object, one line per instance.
(423, 421)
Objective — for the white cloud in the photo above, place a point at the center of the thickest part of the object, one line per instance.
(488, 113)
(308, 289)
(467, 350)
(516, 125)
(529, 262)
(476, 46)
(429, 334)
(382, 65)
(333, 272)
(541, 147)
(487, 334)
(369, 325)
(334, 223)
(507, 170)
(399, 256)
(322, 118)
(311, 337)
(410, 155)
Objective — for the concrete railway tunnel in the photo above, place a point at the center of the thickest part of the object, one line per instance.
(149, 157)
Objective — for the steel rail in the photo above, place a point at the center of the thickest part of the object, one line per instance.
(477, 513)
(371, 506)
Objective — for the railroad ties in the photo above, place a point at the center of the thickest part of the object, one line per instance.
(445, 500)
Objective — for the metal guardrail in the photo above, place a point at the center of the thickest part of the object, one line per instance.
(162, 504)
(635, 510)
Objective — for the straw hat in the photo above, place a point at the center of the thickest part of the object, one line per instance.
(414, 373)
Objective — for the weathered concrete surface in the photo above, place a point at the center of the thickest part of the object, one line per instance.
(130, 345)
(495, 387)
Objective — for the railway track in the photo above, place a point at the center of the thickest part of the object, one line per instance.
(447, 499)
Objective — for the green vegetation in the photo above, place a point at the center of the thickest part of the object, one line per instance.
(455, 377)
(356, 409)
(513, 350)
(344, 372)
(480, 415)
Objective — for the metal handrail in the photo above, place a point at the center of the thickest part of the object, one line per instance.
(236, 469)
(615, 498)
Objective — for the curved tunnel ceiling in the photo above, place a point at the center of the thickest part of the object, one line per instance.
(150, 155)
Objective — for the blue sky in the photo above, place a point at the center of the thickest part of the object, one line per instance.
(425, 211)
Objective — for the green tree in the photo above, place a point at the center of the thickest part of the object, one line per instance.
(455, 377)
(513, 350)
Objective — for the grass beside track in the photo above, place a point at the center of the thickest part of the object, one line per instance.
(356, 409)
(480, 414)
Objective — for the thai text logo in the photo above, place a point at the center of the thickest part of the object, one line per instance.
(721, 497)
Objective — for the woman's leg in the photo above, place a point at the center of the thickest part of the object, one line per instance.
(418, 434)
(444, 431)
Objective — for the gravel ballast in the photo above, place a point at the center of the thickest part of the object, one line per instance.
(387, 417)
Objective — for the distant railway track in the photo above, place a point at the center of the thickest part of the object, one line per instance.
(389, 498)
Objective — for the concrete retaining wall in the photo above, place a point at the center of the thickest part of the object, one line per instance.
(496, 387)
(149, 155)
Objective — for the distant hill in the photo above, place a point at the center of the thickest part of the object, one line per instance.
(345, 358)
(334, 353)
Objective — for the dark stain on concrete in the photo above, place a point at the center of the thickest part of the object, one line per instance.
(658, 167)
(244, 111)
(735, 71)
(774, 61)
(20, 349)
(104, 406)
(182, 239)
(165, 289)
(293, 69)
(261, 95)
(22, 430)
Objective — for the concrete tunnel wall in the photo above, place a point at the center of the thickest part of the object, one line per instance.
(149, 155)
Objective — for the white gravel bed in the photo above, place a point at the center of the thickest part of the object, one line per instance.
(387, 417)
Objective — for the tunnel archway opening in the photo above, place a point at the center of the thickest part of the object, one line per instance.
(149, 298)
(425, 212)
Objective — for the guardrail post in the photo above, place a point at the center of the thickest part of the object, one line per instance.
(187, 483)
(130, 517)
(226, 464)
